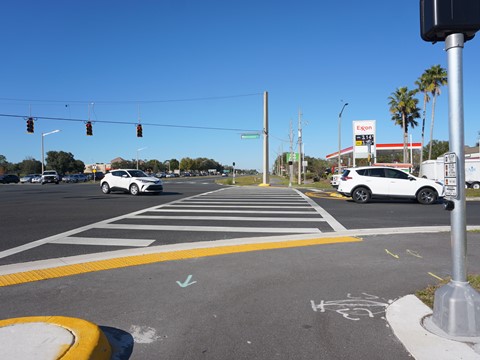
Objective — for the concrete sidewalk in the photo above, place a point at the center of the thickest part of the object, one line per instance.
(52, 337)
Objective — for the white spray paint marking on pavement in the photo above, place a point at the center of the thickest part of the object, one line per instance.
(353, 308)
(144, 334)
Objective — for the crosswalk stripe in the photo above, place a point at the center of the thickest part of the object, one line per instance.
(230, 211)
(209, 228)
(232, 218)
(72, 240)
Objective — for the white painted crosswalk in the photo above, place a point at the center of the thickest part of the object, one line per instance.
(228, 213)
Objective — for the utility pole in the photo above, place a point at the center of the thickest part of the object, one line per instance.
(299, 146)
(290, 162)
(266, 181)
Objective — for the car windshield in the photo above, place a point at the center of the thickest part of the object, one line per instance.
(137, 173)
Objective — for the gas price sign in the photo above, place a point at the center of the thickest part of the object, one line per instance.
(364, 139)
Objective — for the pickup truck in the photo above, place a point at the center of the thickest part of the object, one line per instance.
(50, 176)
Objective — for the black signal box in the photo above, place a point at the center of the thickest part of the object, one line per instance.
(440, 18)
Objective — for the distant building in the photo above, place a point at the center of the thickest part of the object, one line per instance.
(117, 160)
(98, 167)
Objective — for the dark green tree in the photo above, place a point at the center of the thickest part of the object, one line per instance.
(63, 162)
(404, 110)
(437, 77)
(436, 148)
(30, 166)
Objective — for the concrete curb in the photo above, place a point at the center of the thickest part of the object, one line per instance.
(52, 338)
(405, 317)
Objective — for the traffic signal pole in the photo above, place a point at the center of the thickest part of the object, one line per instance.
(266, 179)
(457, 305)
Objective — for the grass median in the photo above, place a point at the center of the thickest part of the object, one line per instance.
(427, 295)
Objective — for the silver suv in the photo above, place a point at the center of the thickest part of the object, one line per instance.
(129, 180)
(365, 183)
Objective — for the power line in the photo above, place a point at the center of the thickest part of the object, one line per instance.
(132, 101)
(131, 123)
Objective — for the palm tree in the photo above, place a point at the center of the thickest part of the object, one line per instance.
(404, 110)
(437, 77)
(422, 85)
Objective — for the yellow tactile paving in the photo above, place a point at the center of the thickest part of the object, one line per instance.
(68, 270)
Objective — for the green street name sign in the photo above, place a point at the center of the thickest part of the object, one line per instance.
(250, 136)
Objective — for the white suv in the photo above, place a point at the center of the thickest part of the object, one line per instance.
(132, 181)
(365, 183)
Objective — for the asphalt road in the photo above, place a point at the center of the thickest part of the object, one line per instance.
(307, 302)
(32, 213)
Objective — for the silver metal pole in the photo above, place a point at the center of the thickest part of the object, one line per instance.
(457, 305)
(266, 180)
(43, 155)
(340, 139)
(454, 48)
(299, 147)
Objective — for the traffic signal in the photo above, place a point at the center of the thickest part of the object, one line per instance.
(30, 125)
(139, 130)
(88, 126)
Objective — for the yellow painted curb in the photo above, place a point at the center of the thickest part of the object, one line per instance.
(121, 262)
(90, 343)
(264, 185)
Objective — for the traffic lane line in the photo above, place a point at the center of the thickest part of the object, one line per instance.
(144, 259)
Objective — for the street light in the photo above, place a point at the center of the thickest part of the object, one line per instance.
(43, 152)
(137, 154)
(340, 137)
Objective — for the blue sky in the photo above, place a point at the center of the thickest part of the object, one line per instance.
(195, 63)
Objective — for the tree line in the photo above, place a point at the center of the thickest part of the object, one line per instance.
(65, 163)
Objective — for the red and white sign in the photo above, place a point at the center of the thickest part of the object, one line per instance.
(364, 139)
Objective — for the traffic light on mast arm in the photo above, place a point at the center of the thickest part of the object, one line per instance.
(30, 125)
(139, 130)
(89, 129)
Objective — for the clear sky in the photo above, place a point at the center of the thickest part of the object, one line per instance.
(194, 64)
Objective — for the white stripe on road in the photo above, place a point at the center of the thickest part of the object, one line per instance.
(222, 218)
(245, 206)
(336, 226)
(209, 228)
(313, 212)
(102, 241)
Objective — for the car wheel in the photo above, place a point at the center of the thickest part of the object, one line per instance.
(476, 186)
(105, 188)
(361, 195)
(134, 190)
(427, 196)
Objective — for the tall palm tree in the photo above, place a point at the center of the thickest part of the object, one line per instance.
(404, 110)
(423, 83)
(438, 77)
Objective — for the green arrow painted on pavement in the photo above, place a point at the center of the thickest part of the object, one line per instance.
(187, 282)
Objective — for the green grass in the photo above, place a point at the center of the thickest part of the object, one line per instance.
(472, 193)
(427, 294)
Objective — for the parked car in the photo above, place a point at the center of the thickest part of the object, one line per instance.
(50, 176)
(365, 183)
(98, 175)
(69, 179)
(28, 178)
(9, 178)
(37, 179)
(160, 175)
(129, 180)
(80, 178)
(335, 180)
